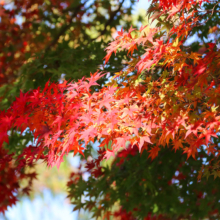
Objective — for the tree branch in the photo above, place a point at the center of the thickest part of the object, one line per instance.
(64, 28)
(109, 21)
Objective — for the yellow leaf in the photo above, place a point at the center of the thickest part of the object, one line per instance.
(176, 42)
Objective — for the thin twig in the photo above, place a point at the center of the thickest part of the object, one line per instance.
(213, 10)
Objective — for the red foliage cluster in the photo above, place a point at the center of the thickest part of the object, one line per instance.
(10, 178)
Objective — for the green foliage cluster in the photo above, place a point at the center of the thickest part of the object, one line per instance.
(167, 185)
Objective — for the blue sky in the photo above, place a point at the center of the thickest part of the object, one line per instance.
(142, 4)
(50, 207)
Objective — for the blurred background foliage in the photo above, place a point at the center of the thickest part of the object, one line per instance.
(42, 40)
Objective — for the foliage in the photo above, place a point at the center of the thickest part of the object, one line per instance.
(42, 40)
(50, 38)
(158, 117)
(10, 177)
(144, 188)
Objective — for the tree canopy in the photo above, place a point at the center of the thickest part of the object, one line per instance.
(153, 108)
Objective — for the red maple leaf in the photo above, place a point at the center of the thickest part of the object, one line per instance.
(153, 152)
(108, 154)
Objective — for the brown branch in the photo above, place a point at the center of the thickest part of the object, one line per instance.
(64, 28)
(212, 10)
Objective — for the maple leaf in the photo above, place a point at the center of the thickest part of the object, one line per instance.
(125, 100)
(177, 145)
(190, 152)
(145, 65)
(95, 77)
(148, 127)
(150, 34)
(134, 131)
(54, 138)
(106, 101)
(200, 69)
(72, 94)
(58, 121)
(89, 132)
(208, 134)
(174, 10)
(194, 128)
(132, 48)
(6, 121)
(111, 89)
(153, 152)
(155, 16)
(142, 140)
(120, 143)
(58, 161)
(3, 137)
(72, 86)
(211, 85)
(78, 149)
(129, 111)
(107, 57)
(44, 132)
(142, 27)
(21, 122)
(113, 116)
(108, 154)
(131, 29)
(211, 148)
